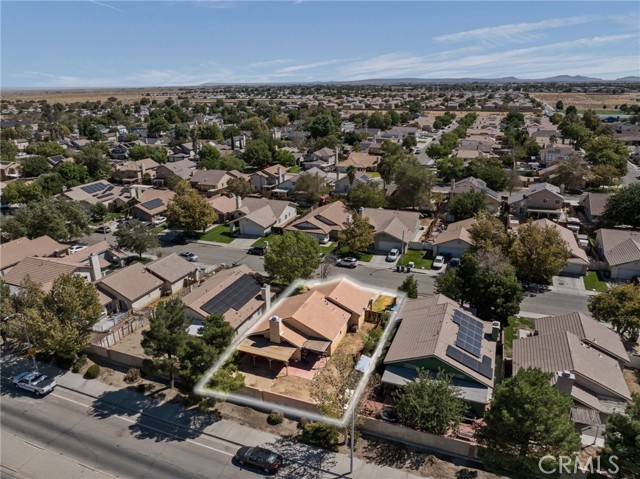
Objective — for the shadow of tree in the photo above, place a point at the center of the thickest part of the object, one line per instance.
(396, 455)
(14, 363)
(466, 474)
(127, 402)
(302, 460)
(170, 421)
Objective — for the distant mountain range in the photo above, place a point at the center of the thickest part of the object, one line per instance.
(401, 81)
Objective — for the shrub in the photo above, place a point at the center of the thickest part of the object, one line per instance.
(132, 376)
(92, 372)
(321, 435)
(275, 417)
(372, 341)
(79, 364)
(303, 422)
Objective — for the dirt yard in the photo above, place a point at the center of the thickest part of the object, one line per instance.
(582, 101)
(633, 381)
(125, 95)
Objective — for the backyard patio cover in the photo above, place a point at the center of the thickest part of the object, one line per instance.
(316, 345)
(261, 346)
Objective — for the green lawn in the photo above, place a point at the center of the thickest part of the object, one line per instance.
(328, 249)
(159, 229)
(511, 331)
(418, 257)
(294, 169)
(363, 256)
(261, 241)
(219, 234)
(592, 282)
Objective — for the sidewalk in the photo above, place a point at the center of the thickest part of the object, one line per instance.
(105, 396)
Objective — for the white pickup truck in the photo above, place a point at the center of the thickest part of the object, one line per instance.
(35, 382)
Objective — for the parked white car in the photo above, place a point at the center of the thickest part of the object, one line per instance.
(347, 262)
(438, 262)
(76, 247)
(393, 255)
(189, 256)
(159, 220)
(35, 381)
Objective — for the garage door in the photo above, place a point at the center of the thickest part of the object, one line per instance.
(387, 245)
(573, 269)
(451, 252)
(627, 274)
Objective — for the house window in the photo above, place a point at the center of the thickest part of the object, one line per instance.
(557, 202)
(544, 201)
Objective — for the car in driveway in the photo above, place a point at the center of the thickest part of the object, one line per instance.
(76, 247)
(257, 250)
(188, 255)
(159, 220)
(393, 255)
(260, 457)
(35, 381)
(347, 262)
(453, 263)
(438, 262)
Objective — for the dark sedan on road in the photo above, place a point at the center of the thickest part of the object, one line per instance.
(260, 457)
(257, 250)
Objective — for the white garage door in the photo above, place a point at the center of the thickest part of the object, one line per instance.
(387, 245)
(572, 269)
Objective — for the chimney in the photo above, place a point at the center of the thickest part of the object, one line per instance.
(238, 202)
(564, 381)
(280, 176)
(275, 329)
(361, 211)
(336, 156)
(495, 331)
(94, 263)
(266, 296)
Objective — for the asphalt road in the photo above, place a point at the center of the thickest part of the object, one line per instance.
(63, 435)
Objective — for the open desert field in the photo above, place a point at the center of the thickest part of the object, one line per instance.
(583, 101)
(125, 95)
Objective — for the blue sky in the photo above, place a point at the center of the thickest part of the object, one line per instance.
(149, 43)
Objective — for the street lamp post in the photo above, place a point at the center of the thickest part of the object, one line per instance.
(26, 333)
(353, 433)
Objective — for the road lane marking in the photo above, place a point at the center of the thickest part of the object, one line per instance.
(148, 427)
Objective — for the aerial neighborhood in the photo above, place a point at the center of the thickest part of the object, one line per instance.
(429, 258)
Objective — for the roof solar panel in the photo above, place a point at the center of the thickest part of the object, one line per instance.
(483, 367)
(234, 296)
(470, 334)
(152, 204)
(94, 188)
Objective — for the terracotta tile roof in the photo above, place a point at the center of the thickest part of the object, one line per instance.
(137, 165)
(565, 352)
(620, 246)
(587, 329)
(427, 329)
(360, 160)
(131, 282)
(347, 294)
(41, 270)
(14, 251)
(208, 177)
(172, 268)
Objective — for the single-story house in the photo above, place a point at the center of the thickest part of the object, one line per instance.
(323, 223)
(100, 191)
(213, 182)
(43, 271)
(175, 271)
(237, 293)
(257, 216)
(312, 322)
(592, 379)
(394, 229)
(455, 240)
(436, 333)
(12, 252)
(132, 287)
(152, 202)
(361, 161)
(621, 250)
(554, 153)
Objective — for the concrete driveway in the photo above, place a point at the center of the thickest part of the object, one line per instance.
(569, 285)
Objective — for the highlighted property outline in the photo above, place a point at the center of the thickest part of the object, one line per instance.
(202, 390)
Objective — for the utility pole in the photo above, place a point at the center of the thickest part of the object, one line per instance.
(26, 333)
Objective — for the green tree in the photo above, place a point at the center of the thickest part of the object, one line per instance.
(409, 142)
(623, 207)
(284, 158)
(34, 166)
(430, 403)
(322, 125)
(571, 173)
(559, 105)
(94, 157)
(98, 211)
(618, 306)
(409, 286)
(622, 441)
(605, 149)
(8, 150)
(157, 126)
(210, 131)
(189, 210)
(71, 307)
(367, 195)
(538, 252)
(556, 119)
(137, 237)
(19, 192)
(72, 173)
(487, 282)
(156, 153)
(59, 218)
(466, 205)
(604, 175)
(239, 187)
(166, 336)
(357, 235)
(490, 171)
(257, 153)
(414, 183)
(379, 120)
(528, 419)
(45, 148)
(488, 233)
(292, 256)
(311, 187)
(451, 168)
(208, 157)
(50, 183)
